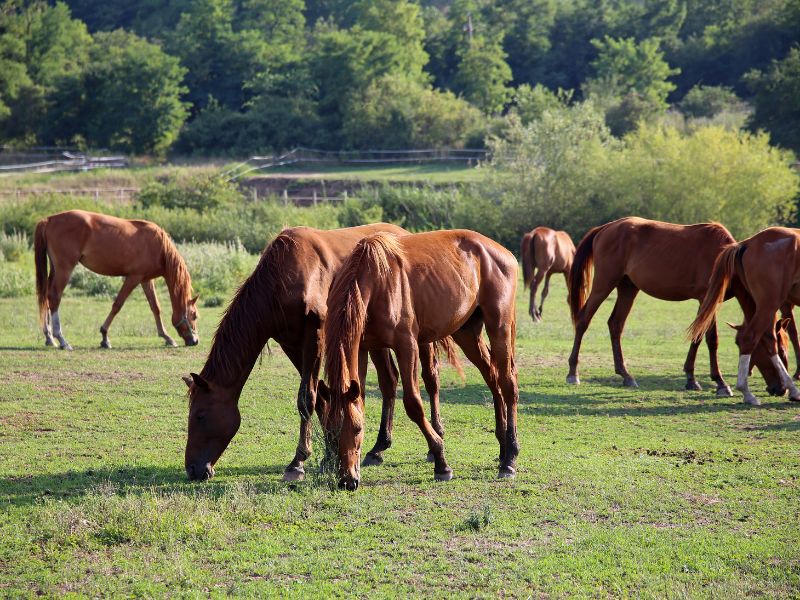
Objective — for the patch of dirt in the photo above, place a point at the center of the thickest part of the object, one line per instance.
(685, 456)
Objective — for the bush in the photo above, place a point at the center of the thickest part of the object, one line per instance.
(17, 278)
(217, 268)
(201, 193)
(13, 246)
(707, 101)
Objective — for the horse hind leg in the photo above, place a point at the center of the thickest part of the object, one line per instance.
(60, 277)
(534, 311)
(48, 329)
(545, 292)
(626, 294)
(712, 341)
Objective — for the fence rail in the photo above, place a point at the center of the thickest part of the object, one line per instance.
(66, 162)
(301, 156)
(117, 194)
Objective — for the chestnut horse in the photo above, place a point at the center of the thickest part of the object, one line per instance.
(545, 251)
(664, 260)
(285, 299)
(767, 267)
(402, 292)
(139, 251)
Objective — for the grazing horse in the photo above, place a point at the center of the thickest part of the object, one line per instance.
(285, 299)
(550, 252)
(767, 267)
(664, 260)
(402, 292)
(139, 251)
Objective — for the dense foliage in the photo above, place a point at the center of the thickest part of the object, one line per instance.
(239, 76)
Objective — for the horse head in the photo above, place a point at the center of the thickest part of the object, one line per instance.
(213, 421)
(186, 324)
(344, 425)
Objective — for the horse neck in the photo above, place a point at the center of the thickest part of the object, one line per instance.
(178, 283)
(251, 319)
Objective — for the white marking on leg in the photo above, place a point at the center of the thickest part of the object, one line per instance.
(741, 380)
(57, 332)
(786, 379)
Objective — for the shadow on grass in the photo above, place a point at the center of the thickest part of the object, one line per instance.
(613, 400)
(29, 489)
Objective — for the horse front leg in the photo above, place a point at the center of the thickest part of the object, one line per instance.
(149, 289)
(626, 294)
(430, 377)
(125, 291)
(387, 381)
(407, 356)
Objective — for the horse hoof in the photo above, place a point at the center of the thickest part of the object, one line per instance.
(105, 344)
(294, 474)
(751, 400)
(49, 342)
(372, 460)
(794, 398)
(65, 347)
(573, 379)
(693, 386)
(507, 472)
(444, 475)
(170, 343)
(724, 392)
(629, 382)
(796, 375)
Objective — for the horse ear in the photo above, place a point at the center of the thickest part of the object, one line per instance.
(187, 381)
(353, 392)
(732, 326)
(199, 381)
(195, 299)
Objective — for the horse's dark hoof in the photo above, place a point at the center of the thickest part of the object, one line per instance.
(507, 472)
(724, 391)
(294, 474)
(573, 379)
(693, 386)
(65, 347)
(372, 460)
(105, 344)
(49, 342)
(629, 382)
(170, 343)
(444, 475)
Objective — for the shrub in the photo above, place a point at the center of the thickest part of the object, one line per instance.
(199, 193)
(217, 268)
(13, 246)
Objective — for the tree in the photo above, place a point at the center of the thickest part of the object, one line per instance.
(777, 100)
(630, 81)
(129, 95)
(483, 75)
(399, 112)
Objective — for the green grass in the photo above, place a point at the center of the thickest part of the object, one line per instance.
(654, 492)
(430, 173)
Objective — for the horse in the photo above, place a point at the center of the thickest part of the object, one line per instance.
(403, 292)
(664, 260)
(767, 267)
(137, 250)
(550, 252)
(284, 299)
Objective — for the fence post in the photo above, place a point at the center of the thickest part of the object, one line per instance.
(285, 197)
(314, 196)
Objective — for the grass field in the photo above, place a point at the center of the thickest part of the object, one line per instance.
(430, 173)
(654, 492)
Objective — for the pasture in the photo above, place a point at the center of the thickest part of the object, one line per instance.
(654, 492)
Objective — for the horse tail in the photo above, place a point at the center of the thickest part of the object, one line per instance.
(724, 268)
(581, 271)
(447, 347)
(527, 253)
(40, 258)
(347, 312)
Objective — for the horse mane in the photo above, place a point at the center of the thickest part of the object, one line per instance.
(250, 316)
(175, 272)
(347, 313)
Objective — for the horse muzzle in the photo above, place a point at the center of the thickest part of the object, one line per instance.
(192, 341)
(197, 472)
(348, 483)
